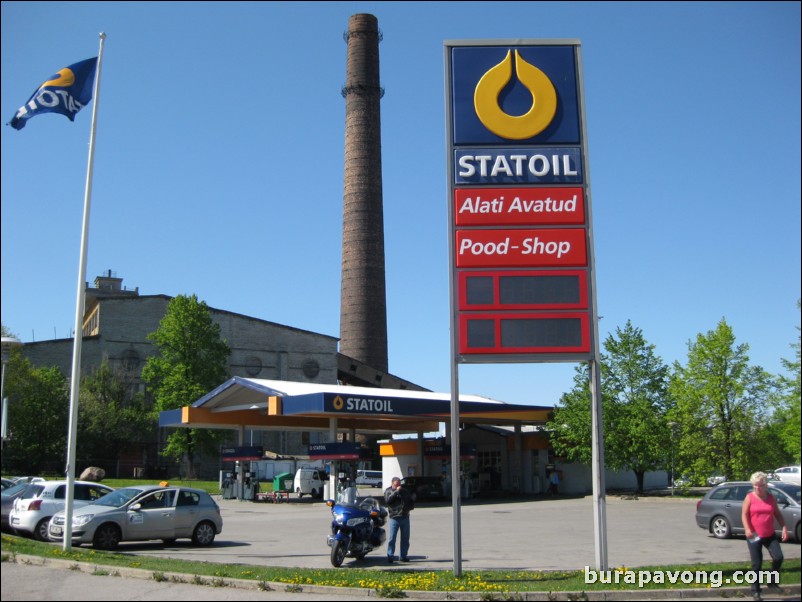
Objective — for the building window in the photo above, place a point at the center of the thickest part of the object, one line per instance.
(130, 360)
(488, 459)
(310, 368)
(253, 365)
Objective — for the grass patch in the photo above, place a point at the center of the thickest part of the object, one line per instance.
(497, 585)
(211, 487)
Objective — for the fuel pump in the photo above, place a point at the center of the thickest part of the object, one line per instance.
(229, 485)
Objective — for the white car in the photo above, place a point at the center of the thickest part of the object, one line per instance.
(32, 513)
(788, 474)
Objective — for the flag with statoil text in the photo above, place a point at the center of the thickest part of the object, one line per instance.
(66, 92)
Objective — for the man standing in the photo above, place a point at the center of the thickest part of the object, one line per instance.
(554, 481)
(399, 503)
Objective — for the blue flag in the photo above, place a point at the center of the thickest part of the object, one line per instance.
(66, 92)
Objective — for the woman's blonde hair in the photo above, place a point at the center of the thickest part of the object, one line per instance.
(759, 476)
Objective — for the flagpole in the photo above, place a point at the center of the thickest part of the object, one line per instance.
(75, 378)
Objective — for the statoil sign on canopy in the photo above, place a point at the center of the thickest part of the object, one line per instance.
(519, 202)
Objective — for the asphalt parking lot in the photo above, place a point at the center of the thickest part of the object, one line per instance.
(539, 533)
(545, 533)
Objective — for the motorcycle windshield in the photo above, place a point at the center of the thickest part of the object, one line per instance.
(347, 496)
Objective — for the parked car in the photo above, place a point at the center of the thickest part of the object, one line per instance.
(142, 513)
(716, 479)
(424, 488)
(683, 481)
(719, 511)
(28, 479)
(33, 510)
(9, 496)
(788, 474)
(7, 483)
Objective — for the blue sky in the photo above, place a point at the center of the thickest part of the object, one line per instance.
(219, 167)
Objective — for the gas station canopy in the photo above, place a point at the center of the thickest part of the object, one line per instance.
(263, 404)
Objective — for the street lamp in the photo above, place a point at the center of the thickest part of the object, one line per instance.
(9, 343)
(672, 426)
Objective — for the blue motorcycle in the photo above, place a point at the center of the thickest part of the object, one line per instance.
(356, 527)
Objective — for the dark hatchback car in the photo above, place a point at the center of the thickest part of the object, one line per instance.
(425, 488)
(719, 511)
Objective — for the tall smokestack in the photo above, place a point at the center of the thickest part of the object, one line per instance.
(363, 303)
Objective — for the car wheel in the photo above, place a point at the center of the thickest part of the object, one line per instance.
(40, 532)
(720, 527)
(798, 533)
(314, 493)
(107, 537)
(204, 533)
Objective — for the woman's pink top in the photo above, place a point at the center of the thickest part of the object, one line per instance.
(761, 513)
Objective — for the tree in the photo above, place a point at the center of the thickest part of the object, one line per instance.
(721, 406)
(110, 417)
(788, 411)
(192, 360)
(633, 390)
(38, 408)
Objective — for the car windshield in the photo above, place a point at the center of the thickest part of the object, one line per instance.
(118, 498)
(31, 490)
(793, 491)
(15, 489)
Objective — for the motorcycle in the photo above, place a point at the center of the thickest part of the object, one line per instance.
(356, 527)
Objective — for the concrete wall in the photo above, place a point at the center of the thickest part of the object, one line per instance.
(259, 349)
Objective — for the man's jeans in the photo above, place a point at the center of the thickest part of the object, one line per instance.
(396, 524)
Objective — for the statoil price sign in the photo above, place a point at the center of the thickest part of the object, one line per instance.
(521, 244)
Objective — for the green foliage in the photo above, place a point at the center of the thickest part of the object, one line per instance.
(111, 416)
(634, 394)
(38, 409)
(788, 407)
(721, 405)
(634, 404)
(570, 426)
(192, 360)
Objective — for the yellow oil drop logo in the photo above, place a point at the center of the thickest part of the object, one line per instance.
(515, 127)
(65, 79)
(338, 403)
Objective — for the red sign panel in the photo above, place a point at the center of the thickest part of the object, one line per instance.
(519, 206)
(492, 333)
(521, 248)
(522, 290)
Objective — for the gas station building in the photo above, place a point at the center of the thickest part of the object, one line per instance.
(502, 446)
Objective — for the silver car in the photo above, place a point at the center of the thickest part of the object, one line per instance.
(719, 511)
(142, 513)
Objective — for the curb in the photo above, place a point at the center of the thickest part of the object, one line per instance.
(791, 592)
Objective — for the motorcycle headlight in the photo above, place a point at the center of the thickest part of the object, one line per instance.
(353, 522)
(338, 517)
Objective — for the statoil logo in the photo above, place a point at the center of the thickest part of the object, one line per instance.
(517, 93)
(363, 405)
(501, 123)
